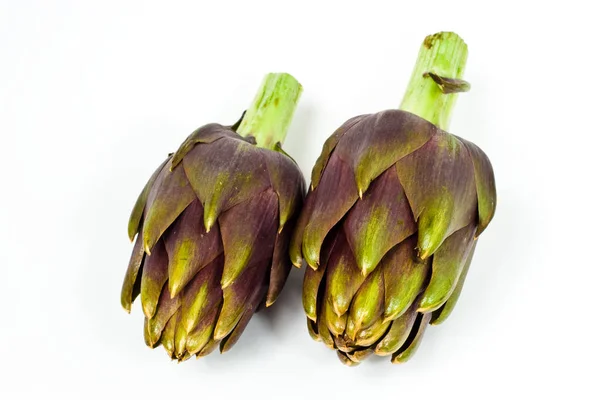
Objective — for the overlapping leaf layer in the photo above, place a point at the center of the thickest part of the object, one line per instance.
(388, 231)
(212, 230)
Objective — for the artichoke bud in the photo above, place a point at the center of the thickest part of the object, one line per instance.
(390, 222)
(213, 228)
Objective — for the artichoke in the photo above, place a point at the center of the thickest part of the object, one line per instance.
(390, 224)
(213, 226)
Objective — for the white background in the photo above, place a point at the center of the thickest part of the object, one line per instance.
(93, 96)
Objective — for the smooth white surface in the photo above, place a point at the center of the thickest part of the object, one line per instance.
(93, 96)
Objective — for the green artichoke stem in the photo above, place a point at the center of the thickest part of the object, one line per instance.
(270, 114)
(436, 78)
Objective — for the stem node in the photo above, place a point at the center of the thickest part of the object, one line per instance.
(436, 78)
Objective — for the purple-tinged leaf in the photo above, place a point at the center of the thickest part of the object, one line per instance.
(442, 313)
(281, 264)
(368, 303)
(225, 173)
(168, 197)
(202, 294)
(379, 141)
(334, 196)
(237, 296)
(248, 231)
(448, 263)
(439, 183)
(297, 236)
(335, 323)
(287, 181)
(167, 339)
(205, 134)
(167, 307)
(189, 246)
(138, 209)
(228, 342)
(485, 184)
(412, 343)
(343, 276)
(132, 280)
(379, 221)
(329, 146)
(203, 332)
(398, 333)
(404, 275)
(154, 277)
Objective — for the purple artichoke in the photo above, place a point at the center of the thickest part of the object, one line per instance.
(213, 225)
(390, 224)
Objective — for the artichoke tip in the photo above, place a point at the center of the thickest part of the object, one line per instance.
(174, 287)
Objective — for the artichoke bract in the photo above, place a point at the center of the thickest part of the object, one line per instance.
(390, 224)
(213, 226)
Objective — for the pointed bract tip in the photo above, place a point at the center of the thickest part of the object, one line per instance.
(387, 318)
(146, 247)
(337, 310)
(426, 306)
(381, 353)
(154, 340)
(366, 264)
(148, 310)
(270, 300)
(219, 334)
(358, 326)
(311, 253)
(226, 283)
(296, 259)
(352, 335)
(209, 220)
(312, 260)
(208, 223)
(174, 288)
(314, 267)
(423, 255)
